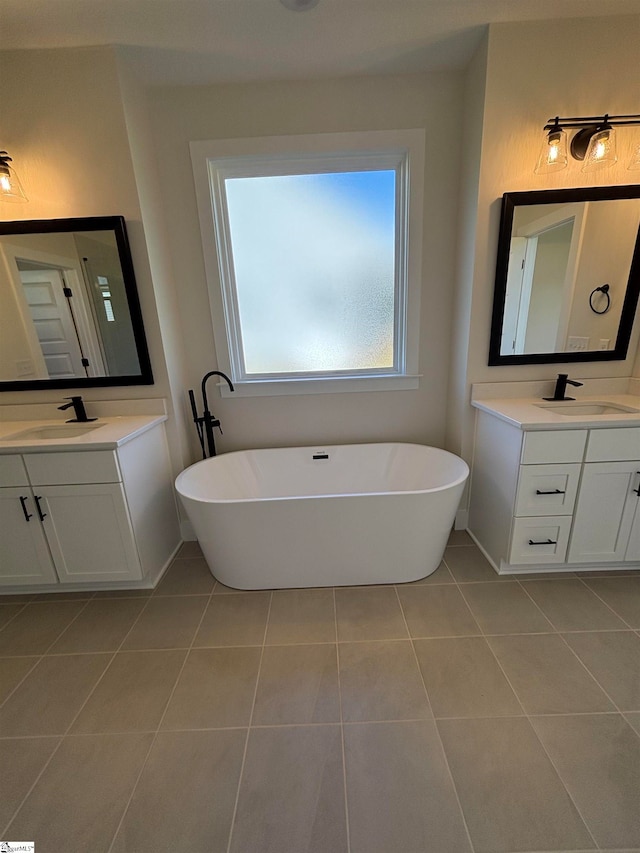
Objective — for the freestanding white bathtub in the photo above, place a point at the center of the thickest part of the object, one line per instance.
(323, 516)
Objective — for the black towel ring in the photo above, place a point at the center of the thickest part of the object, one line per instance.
(605, 291)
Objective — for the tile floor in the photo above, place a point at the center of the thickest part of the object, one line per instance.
(465, 712)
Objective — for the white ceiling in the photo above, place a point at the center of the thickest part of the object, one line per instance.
(201, 41)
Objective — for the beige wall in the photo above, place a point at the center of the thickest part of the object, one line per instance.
(610, 234)
(64, 125)
(534, 71)
(432, 102)
(471, 160)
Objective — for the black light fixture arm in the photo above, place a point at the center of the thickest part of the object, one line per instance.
(206, 422)
(586, 127)
(558, 122)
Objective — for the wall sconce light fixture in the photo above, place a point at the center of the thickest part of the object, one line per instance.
(10, 186)
(593, 143)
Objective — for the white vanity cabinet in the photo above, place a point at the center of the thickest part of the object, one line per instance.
(88, 517)
(555, 499)
(607, 516)
(24, 553)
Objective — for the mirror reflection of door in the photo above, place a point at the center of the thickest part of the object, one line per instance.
(512, 309)
(549, 277)
(44, 290)
(540, 280)
(108, 300)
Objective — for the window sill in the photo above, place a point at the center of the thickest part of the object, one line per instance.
(273, 388)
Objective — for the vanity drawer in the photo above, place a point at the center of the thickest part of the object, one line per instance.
(613, 445)
(547, 489)
(539, 540)
(90, 466)
(12, 471)
(544, 446)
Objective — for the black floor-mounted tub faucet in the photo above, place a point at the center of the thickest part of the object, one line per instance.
(206, 422)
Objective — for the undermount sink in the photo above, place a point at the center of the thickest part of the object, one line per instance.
(577, 408)
(53, 431)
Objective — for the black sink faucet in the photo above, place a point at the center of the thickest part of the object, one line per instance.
(561, 387)
(78, 408)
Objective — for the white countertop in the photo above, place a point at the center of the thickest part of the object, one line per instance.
(527, 414)
(109, 433)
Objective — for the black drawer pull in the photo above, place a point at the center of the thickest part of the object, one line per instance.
(546, 542)
(27, 515)
(637, 491)
(42, 515)
(550, 492)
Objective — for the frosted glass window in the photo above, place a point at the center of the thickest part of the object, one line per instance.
(313, 259)
(312, 249)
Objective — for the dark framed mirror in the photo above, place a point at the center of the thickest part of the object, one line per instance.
(69, 309)
(567, 275)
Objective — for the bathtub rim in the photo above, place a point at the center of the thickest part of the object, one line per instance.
(461, 479)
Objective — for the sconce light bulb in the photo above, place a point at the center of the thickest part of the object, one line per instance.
(600, 148)
(601, 151)
(10, 186)
(553, 155)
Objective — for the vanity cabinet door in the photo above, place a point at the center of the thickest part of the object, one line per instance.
(89, 533)
(605, 512)
(24, 555)
(633, 549)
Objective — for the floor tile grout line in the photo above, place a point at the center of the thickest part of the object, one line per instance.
(66, 627)
(622, 619)
(35, 782)
(40, 656)
(582, 664)
(531, 726)
(162, 716)
(612, 713)
(330, 724)
(554, 632)
(559, 630)
(62, 736)
(344, 752)
(234, 813)
(8, 604)
(90, 694)
(538, 607)
(437, 731)
(24, 677)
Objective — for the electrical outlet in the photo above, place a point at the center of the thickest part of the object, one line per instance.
(24, 368)
(577, 344)
(604, 343)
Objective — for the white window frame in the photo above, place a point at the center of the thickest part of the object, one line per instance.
(216, 160)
